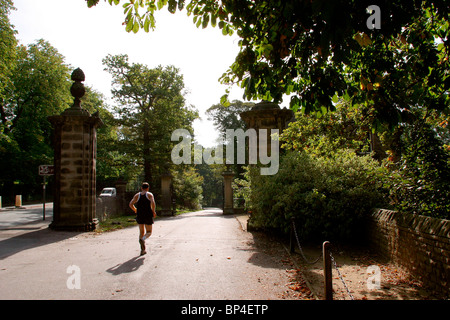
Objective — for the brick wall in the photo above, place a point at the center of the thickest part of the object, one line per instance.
(421, 244)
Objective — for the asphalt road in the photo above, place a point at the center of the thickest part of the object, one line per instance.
(195, 256)
(10, 217)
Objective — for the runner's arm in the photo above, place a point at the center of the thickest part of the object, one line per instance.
(152, 204)
(132, 202)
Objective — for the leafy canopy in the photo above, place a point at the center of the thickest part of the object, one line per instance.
(151, 105)
(317, 50)
(37, 86)
(225, 118)
(8, 46)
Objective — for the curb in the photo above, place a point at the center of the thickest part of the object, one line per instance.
(243, 220)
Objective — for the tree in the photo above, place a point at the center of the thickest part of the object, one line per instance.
(212, 185)
(422, 183)
(109, 163)
(37, 87)
(315, 50)
(187, 185)
(34, 84)
(151, 106)
(346, 127)
(227, 117)
(418, 162)
(8, 47)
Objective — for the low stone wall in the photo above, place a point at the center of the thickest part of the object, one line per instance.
(420, 244)
(106, 207)
(110, 207)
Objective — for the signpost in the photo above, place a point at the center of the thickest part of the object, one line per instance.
(45, 170)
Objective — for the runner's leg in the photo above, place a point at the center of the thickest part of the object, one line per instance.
(141, 230)
(141, 240)
(148, 229)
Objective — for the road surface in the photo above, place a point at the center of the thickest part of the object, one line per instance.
(11, 217)
(196, 256)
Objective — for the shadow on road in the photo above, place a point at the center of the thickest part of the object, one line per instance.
(129, 266)
(268, 252)
(29, 240)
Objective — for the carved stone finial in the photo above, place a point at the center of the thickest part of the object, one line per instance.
(77, 89)
(78, 75)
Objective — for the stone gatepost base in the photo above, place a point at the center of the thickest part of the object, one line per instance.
(228, 211)
(74, 226)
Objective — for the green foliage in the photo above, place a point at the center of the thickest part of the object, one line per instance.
(242, 188)
(110, 164)
(328, 196)
(316, 50)
(116, 223)
(8, 46)
(323, 134)
(212, 185)
(34, 84)
(422, 183)
(227, 117)
(37, 88)
(151, 106)
(416, 156)
(187, 186)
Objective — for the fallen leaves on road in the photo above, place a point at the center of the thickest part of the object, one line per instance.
(353, 264)
(298, 286)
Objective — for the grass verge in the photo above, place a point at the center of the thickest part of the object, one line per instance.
(122, 222)
(116, 223)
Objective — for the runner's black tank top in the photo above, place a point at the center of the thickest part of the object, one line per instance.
(143, 205)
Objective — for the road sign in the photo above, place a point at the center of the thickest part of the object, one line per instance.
(46, 170)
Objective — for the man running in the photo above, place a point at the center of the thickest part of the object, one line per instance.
(145, 212)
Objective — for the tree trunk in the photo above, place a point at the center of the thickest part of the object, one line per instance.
(147, 154)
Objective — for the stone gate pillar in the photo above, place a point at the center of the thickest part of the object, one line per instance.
(166, 195)
(267, 115)
(121, 200)
(228, 192)
(75, 140)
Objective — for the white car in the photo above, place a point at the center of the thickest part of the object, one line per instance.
(108, 192)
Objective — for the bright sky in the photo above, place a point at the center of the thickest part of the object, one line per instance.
(85, 36)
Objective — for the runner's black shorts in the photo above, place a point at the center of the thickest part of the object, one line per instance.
(144, 218)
